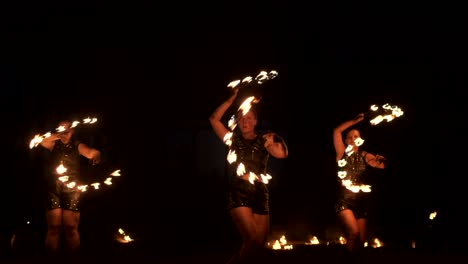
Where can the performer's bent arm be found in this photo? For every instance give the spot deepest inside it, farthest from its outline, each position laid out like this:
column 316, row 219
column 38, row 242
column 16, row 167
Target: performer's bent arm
column 215, row 118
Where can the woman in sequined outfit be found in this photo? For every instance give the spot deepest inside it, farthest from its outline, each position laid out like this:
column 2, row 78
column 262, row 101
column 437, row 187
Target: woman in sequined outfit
column 352, row 166
column 63, row 200
column 248, row 199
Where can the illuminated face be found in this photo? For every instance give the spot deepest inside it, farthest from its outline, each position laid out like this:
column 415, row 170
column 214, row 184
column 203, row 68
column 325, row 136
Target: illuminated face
column 67, row 133
column 247, row 122
column 351, row 136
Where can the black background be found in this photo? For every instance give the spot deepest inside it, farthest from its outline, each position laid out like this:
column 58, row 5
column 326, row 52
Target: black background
column 153, row 73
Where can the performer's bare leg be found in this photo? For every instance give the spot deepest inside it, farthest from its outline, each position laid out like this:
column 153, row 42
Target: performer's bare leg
column 52, row 239
column 355, row 232
column 254, row 231
column 71, row 220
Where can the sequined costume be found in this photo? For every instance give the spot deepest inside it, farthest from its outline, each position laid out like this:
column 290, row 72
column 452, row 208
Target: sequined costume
column 59, row 195
column 254, row 156
column 355, row 169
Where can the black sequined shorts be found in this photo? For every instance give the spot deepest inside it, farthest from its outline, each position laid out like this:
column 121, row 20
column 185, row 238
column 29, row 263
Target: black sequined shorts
column 359, row 208
column 244, row 193
column 63, row 197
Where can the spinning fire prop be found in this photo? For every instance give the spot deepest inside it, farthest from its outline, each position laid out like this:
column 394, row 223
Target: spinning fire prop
column 232, row 123
column 378, row 114
column 61, row 169
column 386, row 112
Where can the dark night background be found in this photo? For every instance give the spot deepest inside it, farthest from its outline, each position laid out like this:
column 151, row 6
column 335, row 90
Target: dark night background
column 152, row 74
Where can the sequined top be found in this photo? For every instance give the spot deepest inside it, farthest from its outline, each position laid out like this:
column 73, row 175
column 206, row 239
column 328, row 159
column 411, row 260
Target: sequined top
column 252, row 153
column 355, row 167
column 67, row 155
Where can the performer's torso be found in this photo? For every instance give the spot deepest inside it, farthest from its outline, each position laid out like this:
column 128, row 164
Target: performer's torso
column 68, row 156
column 251, row 153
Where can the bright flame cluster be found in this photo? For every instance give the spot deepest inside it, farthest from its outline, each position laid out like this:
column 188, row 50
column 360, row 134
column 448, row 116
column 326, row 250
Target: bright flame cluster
column 313, row 241
column 232, row 123
column 342, row 173
column 261, row 78
column 38, row 138
column 387, row 112
column 122, row 237
column 282, row 243
column 375, row 243
column 64, row 178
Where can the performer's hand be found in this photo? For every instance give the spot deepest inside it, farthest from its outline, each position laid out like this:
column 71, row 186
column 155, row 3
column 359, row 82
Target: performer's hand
column 55, row 136
column 380, row 158
column 96, row 159
column 234, row 91
column 359, row 117
column 271, row 138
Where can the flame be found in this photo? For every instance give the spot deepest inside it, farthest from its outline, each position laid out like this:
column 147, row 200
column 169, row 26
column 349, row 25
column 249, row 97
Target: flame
column 276, row 245
column 108, row 181
column 355, row 188
column 116, row 173
column 63, row 178
column 260, row 78
column 240, row 169
column 281, row 244
column 60, row 129
column 233, row 84
column 342, row 240
column 232, row 156
column 342, row 162
column 232, row 122
column 288, row 247
column 61, row 169
column 313, row 241
column 389, row 113
column 89, row 120
column 349, row 150
column 376, row 243
column 283, row 240
column 265, row 178
column 122, row 237
column 247, row 104
column 247, row 79
column 252, row 177
column 83, row 188
column 38, row 138
column 358, row 141
column 227, row 138
column 342, row 174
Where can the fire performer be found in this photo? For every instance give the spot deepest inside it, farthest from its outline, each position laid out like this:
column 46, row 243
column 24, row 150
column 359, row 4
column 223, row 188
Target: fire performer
column 350, row 207
column 62, row 200
column 247, row 197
